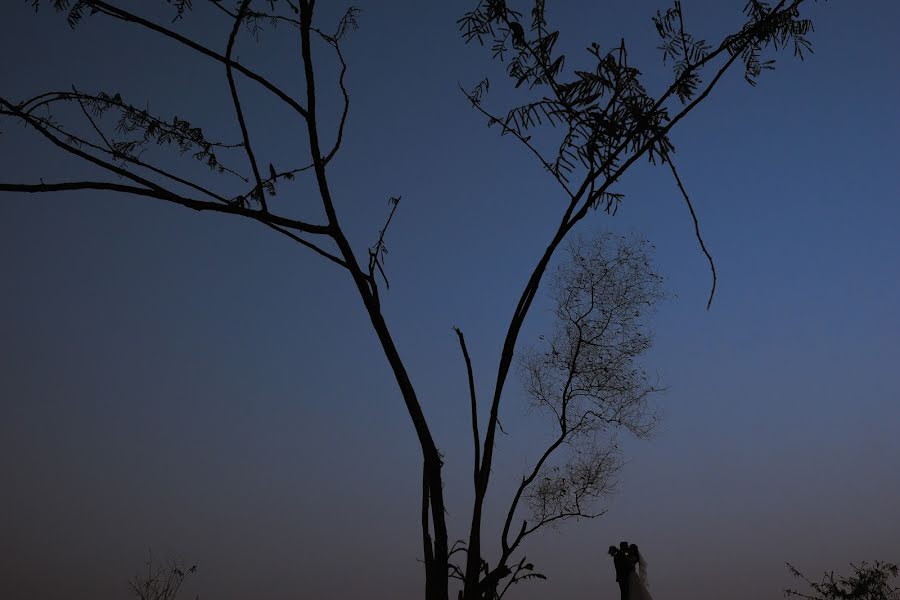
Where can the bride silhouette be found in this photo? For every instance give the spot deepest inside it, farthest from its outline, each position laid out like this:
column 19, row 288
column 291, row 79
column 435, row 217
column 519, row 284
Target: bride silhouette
column 638, row 588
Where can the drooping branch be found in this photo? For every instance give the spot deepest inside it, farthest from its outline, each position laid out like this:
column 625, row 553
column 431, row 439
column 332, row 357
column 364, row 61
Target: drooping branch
column 687, row 201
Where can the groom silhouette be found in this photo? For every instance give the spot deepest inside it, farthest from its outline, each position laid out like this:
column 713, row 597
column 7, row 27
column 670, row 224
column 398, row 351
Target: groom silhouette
column 624, row 565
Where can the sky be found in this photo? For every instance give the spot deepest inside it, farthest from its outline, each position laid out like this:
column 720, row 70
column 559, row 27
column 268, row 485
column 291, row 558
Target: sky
column 194, row 385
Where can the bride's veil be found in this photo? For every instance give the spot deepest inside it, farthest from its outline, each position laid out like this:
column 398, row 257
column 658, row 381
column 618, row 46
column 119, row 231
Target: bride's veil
column 642, row 563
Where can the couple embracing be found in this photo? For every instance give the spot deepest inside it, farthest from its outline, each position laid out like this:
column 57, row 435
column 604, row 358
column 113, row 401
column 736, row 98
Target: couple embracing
column 632, row 582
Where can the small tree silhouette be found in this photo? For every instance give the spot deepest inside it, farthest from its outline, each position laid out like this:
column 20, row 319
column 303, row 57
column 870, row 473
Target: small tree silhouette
column 161, row 581
column 868, row 582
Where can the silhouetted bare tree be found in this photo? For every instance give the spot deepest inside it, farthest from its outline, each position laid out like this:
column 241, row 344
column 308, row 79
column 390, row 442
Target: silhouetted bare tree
column 868, row 582
column 585, row 377
column 606, row 119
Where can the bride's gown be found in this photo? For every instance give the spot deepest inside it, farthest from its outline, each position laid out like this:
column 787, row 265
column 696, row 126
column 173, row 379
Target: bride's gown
column 638, row 587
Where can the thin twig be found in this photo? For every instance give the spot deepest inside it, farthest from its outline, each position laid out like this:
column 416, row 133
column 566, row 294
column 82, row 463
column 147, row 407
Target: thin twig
column 306, row 243
column 524, row 140
column 91, row 120
column 377, row 251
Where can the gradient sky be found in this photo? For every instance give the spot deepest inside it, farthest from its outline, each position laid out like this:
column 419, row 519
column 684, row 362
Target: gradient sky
column 194, row 384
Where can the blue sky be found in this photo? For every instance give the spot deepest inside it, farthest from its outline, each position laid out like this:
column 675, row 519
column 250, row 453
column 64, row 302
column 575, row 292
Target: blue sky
column 192, row 383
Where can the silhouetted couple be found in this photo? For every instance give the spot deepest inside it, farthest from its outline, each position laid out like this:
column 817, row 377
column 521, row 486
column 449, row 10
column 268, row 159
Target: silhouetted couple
column 632, row 582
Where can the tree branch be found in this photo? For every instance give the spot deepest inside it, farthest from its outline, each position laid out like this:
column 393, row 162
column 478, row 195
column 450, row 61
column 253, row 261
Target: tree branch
column 111, row 151
column 260, row 192
column 474, row 401
column 334, row 42
column 124, row 15
column 306, row 243
column 155, row 190
column 432, row 459
column 523, row 139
